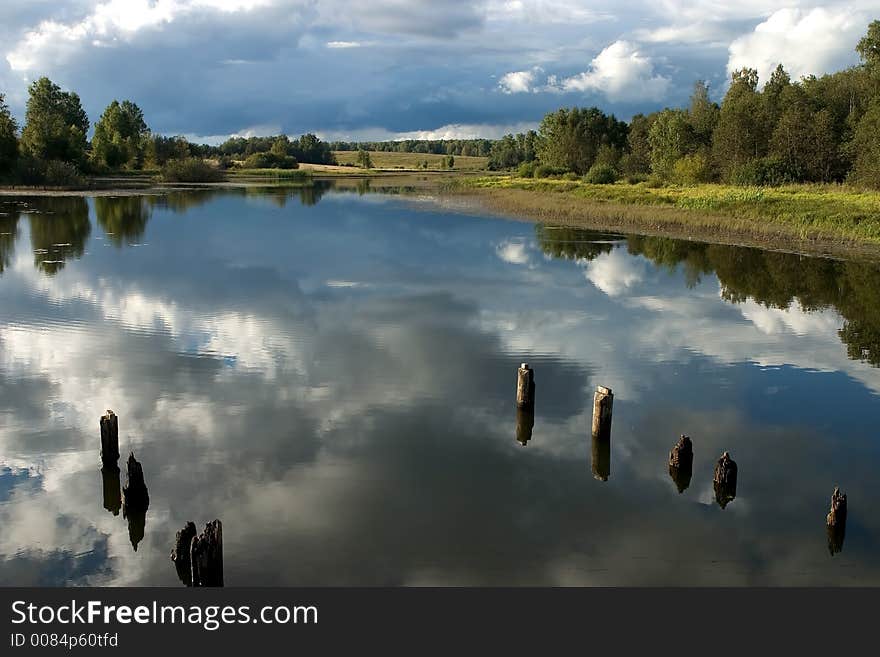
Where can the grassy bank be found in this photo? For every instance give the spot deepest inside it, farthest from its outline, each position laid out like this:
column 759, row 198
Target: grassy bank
column 797, row 214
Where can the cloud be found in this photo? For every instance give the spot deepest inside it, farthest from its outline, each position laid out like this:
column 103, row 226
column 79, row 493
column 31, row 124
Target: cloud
column 620, row 72
column 805, row 42
column 452, row 131
column 339, row 45
column 615, row 272
column 517, row 82
column 513, row 252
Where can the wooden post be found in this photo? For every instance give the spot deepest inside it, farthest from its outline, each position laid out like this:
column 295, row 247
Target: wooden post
column 136, row 500
column 681, row 463
column 525, row 422
column 603, row 401
column 109, row 437
column 835, row 521
column 112, row 491
column 525, row 387
column 601, row 458
column 725, row 480
column 180, row 555
column 206, row 556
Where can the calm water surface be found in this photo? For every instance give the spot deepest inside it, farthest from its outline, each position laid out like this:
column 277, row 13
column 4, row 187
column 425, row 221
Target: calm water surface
column 333, row 376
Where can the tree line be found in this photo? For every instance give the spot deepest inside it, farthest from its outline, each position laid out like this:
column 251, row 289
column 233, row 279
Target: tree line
column 465, row 147
column 817, row 129
column 53, row 148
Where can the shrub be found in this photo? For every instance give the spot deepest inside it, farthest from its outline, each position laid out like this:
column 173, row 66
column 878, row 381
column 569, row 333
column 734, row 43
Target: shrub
column 571, row 175
column 545, row 171
column 601, row 174
column 52, row 173
column 636, row 178
column 691, row 169
column 270, row 160
column 192, row 170
column 765, row 171
column 527, row 170
column 654, row 182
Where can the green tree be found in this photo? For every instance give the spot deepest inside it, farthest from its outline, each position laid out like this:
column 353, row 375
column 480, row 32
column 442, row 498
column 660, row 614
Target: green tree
column 363, row 159
column 703, row 114
column 55, row 124
column 120, row 136
column 570, row 138
column 778, row 84
column 671, row 138
column 8, row 139
column 637, row 159
column 866, row 145
column 869, row 46
column 742, row 131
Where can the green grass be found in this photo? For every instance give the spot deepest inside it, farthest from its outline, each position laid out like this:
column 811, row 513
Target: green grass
column 388, row 160
column 801, row 212
column 287, row 174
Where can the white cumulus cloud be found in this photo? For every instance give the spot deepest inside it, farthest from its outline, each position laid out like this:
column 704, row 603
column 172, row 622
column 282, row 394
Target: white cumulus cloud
column 805, row 42
column 622, row 73
column 517, row 82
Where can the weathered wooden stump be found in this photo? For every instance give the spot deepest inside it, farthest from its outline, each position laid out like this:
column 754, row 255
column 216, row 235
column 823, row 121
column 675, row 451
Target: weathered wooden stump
column 112, row 489
column 109, row 437
column 725, row 480
column 603, row 401
column 835, row 522
column 206, row 556
column 525, row 422
column 601, row 458
column 180, row 555
column 525, row 387
column 681, row 463
column 136, row 500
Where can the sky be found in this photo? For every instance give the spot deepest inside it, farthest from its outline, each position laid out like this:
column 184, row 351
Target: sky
column 392, row 69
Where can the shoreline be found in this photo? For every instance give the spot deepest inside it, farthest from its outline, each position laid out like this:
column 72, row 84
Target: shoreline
column 562, row 205
column 612, row 208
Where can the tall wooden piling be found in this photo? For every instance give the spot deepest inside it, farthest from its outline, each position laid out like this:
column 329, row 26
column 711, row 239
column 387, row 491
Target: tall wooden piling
column 525, row 422
column 835, row 521
column 601, row 452
column 681, row 463
column 525, row 387
column 206, row 556
column 725, row 480
column 603, row 401
column 109, row 437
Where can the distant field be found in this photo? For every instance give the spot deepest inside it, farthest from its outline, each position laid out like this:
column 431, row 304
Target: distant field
column 384, row 160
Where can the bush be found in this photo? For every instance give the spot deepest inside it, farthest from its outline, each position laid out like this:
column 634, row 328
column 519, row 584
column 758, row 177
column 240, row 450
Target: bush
column 52, row 173
column 269, row 160
column 571, row 175
column 545, row 171
column 654, row 182
column 636, row 178
column 601, row 174
column 691, row 169
column 765, row 171
column 192, row 170
column 527, row 170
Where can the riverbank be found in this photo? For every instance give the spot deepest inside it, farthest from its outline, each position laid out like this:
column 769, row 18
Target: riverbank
column 811, row 218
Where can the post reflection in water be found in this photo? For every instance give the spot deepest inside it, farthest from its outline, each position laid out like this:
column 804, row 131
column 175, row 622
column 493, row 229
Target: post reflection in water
column 112, row 488
column 340, row 374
